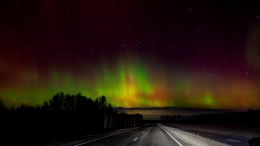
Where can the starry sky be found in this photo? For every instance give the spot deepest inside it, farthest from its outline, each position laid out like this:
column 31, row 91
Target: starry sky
column 138, row 53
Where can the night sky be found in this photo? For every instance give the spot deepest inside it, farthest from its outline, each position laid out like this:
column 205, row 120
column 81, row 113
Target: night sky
column 198, row 54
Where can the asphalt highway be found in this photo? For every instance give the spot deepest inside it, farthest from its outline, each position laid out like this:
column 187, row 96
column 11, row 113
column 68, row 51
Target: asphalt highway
column 151, row 135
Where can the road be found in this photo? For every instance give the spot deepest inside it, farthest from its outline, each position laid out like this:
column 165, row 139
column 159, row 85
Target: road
column 155, row 136
column 151, row 135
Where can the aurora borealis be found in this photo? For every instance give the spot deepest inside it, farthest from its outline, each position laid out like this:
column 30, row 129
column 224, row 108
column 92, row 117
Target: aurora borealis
column 199, row 54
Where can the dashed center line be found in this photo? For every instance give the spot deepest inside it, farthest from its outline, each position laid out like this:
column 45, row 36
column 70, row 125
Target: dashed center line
column 136, row 138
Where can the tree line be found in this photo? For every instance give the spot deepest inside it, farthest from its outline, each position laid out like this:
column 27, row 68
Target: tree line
column 249, row 117
column 62, row 117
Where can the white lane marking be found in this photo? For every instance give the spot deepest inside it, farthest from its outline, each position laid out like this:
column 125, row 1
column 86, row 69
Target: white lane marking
column 103, row 137
column 233, row 140
column 170, row 135
column 134, row 140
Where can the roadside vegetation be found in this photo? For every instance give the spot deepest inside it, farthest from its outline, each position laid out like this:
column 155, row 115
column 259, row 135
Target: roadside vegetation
column 64, row 116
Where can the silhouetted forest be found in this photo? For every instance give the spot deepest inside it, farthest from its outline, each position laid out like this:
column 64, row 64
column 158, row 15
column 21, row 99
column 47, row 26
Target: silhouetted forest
column 64, row 116
column 248, row 117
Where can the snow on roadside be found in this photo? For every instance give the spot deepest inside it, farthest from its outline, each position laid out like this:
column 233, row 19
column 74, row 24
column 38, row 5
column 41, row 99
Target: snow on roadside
column 193, row 139
column 241, row 130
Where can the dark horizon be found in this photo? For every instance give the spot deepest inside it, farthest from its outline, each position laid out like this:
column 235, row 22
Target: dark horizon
column 154, row 113
column 148, row 113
